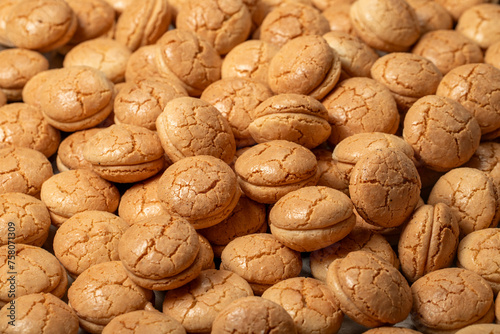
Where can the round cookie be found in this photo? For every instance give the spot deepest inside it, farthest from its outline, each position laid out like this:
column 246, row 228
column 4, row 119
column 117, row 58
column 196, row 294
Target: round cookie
column 268, row 171
column 261, row 260
column 196, row 304
column 385, row 187
column 431, row 15
column 70, row 151
column 480, row 328
column 492, row 55
column 359, row 105
column 23, row 220
column 189, row 127
column 119, row 5
column 297, row 118
column 487, row 159
column 253, row 315
column 68, row 193
column 23, row 170
column 5, row 7
column 141, row 64
column 88, row 238
column 330, row 175
column 391, row 330
column 125, row 153
column 311, row 218
column 457, row 7
column 264, row 7
column 338, row 17
column 369, row 290
column 442, row 132
column 103, row 292
column 39, row 313
column 311, row 303
column 95, row 18
column 144, row 321
column 480, row 24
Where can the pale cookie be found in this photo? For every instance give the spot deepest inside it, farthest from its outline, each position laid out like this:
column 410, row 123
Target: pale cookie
column 442, row 132
column 268, row 171
column 196, row 304
column 360, row 105
column 202, row 189
column 311, row 304
column 39, row 313
column 95, row 18
column 473, row 196
column 224, row 24
column 261, row 260
column 103, row 292
column 487, row 159
column 253, row 315
column 431, row 15
column 23, row 170
column 23, row 125
column 449, row 299
column 428, row 241
column 492, row 55
column 369, row 290
column 480, row 24
column 70, row 151
column 36, row 269
column 68, row 193
column 297, row 118
column 311, row 218
column 144, row 322
column 23, row 220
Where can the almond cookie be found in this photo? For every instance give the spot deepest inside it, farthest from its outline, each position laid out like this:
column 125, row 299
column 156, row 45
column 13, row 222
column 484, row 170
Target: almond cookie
column 322, row 5
column 473, row 196
column 142, row 22
column 492, row 55
column 189, row 59
column 480, row 328
column 487, row 159
column 201, row 189
column 268, row 171
column 311, row 218
column 359, row 105
column 356, row 240
column 264, row 7
column 51, row 23
column 119, row 5
column 236, row 99
column 88, row 238
column 449, row 299
column 103, row 292
column 338, row 17
column 297, row 118
column 290, row 21
column 189, row 127
column 386, row 25
column 408, row 76
column 142, row 64
column 223, row 24
column 391, row 330
column 457, row 7
column 311, row 303
column 448, row 49
column 36, row 269
column 480, row 24
column 253, row 315
column 3, row 99
column 17, row 67
column 428, row 241
column 196, row 304
column 23, row 125
column 442, row 132
column 478, row 252
column 39, row 313
column 431, row 15
column 70, row 151
column 261, row 260
column 23, row 220
column 305, row 65
column 95, row 18
column 125, row 153
column 68, row 193
column 5, row 7
column 369, row 290
column 330, row 174
column 249, row 59
column 385, row 187
column 23, row 170
column 144, row 321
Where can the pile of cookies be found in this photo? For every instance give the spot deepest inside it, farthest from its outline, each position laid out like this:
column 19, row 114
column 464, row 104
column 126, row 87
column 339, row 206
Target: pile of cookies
column 249, row 166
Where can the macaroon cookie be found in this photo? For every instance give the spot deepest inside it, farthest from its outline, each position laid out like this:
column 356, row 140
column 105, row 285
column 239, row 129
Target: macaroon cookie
column 5, row 7
column 480, row 328
column 36, row 269
column 70, row 151
column 491, row 55
column 338, row 17
column 261, row 260
column 391, row 330
column 253, row 315
column 428, row 241
column 480, row 24
column 142, row 64
column 311, row 218
column 449, row 299
column 23, row 220
column 74, row 191
column 103, row 292
column 144, row 321
column 94, row 18
column 369, row 289
column 431, row 15
column 39, row 311
column 297, row 118
column 196, row 304
column 202, row 189
column 487, row 159
column 189, row 127
column 330, row 175
column 457, row 7
column 311, row 304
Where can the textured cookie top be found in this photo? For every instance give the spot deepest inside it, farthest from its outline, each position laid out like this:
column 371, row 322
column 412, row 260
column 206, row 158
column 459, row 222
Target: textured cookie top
column 480, row 24
column 70, row 151
column 95, row 18
column 144, row 321
column 391, row 330
column 159, row 247
column 492, row 55
column 142, row 64
column 487, row 159
column 431, row 15
column 290, row 103
column 19, row 65
column 457, row 7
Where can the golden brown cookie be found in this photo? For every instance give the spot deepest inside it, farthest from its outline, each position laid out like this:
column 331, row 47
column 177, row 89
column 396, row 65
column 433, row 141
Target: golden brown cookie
column 457, row 7
column 144, row 321
column 391, row 330
column 264, row 7
column 480, row 24
column 431, row 15
column 142, row 64
column 330, row 174
column 119, row 5
column 5, row 7
column 338, row 17
column 94, row 17
column 487, row 159
column 492, row 55
column 70, row 151
column 480, row 328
